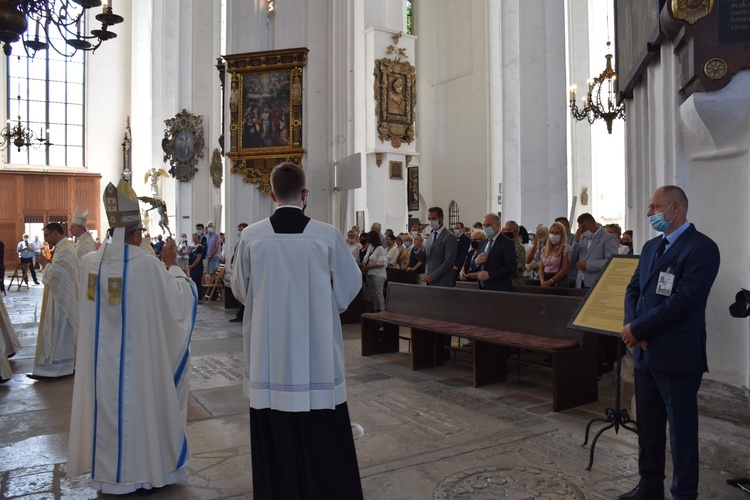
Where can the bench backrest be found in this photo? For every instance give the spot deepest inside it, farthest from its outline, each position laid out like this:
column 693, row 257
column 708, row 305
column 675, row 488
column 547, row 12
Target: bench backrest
column 568, row 292
column 538, row 314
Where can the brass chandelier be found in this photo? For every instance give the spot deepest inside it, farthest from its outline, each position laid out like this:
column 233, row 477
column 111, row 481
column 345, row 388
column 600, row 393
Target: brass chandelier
column 593, row 107
column 20, row 136
column 45, row 16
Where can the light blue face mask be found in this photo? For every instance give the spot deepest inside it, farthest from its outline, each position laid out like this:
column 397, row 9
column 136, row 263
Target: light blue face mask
column 407, row 245
column 239, row 234
column 658, row 223
column 210, row 230
column 489, row 231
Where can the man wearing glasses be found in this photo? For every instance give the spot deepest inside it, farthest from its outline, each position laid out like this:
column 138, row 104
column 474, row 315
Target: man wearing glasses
column 58, row 323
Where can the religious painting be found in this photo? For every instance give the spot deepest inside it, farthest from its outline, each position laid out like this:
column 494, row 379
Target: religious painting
column 395, row 100
column 265, row 107
column 397, row 168
column 183, row 144
column 412, row 188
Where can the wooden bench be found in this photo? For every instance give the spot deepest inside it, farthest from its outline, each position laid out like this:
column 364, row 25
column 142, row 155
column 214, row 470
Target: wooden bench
column 495, row 322
column 544, row 290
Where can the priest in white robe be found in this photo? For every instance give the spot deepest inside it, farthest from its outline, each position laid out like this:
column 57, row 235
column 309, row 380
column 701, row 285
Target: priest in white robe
column 295, row 276
column 58, row 322
column 129, row 413
column 84, row 241
column 9, row 344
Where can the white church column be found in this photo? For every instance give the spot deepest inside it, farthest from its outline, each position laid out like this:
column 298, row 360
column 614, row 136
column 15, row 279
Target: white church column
column 293, row 24
column 171, row 40
column 534, row 173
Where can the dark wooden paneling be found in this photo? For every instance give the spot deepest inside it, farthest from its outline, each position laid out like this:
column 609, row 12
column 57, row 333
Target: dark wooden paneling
column 47, row 195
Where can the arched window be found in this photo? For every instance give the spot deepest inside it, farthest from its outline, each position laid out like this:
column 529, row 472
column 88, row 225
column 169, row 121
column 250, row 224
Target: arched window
column 453, row 216
column 51, row 90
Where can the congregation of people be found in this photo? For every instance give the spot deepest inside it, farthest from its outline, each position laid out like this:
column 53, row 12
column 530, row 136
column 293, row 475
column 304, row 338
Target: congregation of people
column 100, row 301
column 542, row 259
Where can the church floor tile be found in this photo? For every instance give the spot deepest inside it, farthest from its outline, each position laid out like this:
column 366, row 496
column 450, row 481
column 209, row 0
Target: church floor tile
column 424, row 434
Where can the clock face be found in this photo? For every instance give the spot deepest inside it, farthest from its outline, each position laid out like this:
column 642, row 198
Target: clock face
column 715, row 68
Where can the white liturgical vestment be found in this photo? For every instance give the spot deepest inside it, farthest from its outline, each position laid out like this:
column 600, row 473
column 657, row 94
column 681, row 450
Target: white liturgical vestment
column 129, row 412
column 9, row 343
column 58, row 321
column 85, row 244
column 294, row 286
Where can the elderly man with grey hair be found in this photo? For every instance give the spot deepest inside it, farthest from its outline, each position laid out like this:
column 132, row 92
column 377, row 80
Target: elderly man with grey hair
column 377, row 227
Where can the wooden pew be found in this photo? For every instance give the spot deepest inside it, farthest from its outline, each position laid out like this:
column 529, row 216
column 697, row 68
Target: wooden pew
column 495, row 322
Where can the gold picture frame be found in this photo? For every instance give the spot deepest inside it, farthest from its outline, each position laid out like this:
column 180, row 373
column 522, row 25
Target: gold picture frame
column 265, row 112
column 395, row 99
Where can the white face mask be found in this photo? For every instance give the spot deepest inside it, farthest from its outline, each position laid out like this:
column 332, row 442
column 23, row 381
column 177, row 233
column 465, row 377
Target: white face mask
column 434, row 225
column 554, row 238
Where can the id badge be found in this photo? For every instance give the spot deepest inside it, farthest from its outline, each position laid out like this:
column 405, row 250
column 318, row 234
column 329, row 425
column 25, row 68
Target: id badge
column 664, row 285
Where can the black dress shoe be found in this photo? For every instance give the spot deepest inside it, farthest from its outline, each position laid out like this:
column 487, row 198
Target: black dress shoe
column 643, row 492
column 3, row 380
column 235, row 320
column 36, row 282
column 605, row 367
column 38, row 377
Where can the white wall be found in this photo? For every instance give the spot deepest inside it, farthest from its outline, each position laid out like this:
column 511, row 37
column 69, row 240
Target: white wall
column 701, row 145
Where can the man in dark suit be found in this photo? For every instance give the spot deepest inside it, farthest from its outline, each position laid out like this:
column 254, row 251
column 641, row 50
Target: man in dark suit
column 665, row 323
column 440, row 248
column 463, row 243
column 494, row 262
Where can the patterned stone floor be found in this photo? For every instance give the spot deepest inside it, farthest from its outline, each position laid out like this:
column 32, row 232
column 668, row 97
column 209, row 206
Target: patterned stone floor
column 419, row 435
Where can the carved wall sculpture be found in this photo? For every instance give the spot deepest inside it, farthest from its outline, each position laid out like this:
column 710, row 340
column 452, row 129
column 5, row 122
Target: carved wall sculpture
column 217, row 168
column 183, row 144
column 395, row 99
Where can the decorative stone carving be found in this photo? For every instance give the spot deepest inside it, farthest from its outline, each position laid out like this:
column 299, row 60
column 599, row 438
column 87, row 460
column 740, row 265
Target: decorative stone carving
column 258, row 170
column 395, row 100
column 715, row 68
column 691, row 11
column 183, row 144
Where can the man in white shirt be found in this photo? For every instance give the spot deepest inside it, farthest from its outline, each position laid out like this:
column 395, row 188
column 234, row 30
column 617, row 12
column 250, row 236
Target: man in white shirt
column 295, row 276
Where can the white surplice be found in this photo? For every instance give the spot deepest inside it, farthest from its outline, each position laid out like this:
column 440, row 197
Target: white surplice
column 128, row 422
column 294, row 353
column 9, row 343
column 85, row 244
column 58, row 321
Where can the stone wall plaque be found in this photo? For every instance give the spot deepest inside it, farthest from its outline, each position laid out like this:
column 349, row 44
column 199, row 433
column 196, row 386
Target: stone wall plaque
column 395, row 100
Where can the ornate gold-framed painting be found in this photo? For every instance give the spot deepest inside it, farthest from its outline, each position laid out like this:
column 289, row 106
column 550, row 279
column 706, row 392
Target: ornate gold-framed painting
column 265, row 110
column 395, row 100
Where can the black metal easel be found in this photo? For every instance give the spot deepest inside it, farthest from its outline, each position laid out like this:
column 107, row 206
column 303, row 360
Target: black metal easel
column 617, row 416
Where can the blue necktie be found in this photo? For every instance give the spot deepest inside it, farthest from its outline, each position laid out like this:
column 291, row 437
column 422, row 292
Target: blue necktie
column 662, row 246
